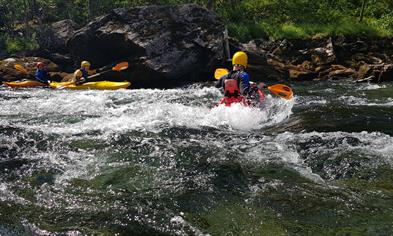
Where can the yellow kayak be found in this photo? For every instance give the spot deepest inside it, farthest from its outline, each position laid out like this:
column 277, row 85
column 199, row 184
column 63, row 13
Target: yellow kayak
column 99, row 85
column 24, row 84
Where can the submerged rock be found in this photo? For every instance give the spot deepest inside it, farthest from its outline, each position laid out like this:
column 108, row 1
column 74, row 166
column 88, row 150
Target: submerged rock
column 165, row 45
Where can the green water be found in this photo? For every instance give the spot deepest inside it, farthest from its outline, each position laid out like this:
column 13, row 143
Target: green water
column 165, row 162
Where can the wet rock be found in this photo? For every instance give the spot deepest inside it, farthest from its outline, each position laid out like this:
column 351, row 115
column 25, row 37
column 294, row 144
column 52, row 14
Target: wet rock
column 165, row 45
column 323, row 55
column 300, row 73
column 386, row 73
column 332, row 58
column 64, row 62
column 364, row 71
column 259, row 68
column 341, row 72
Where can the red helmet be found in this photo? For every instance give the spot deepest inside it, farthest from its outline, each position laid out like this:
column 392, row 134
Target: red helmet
column 40, row 64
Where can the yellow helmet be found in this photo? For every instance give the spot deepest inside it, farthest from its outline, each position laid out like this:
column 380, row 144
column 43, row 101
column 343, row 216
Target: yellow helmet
column 85, row 64
column 240, row 58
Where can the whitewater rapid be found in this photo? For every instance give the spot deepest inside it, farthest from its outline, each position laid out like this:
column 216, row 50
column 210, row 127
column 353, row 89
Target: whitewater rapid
column 162, row 161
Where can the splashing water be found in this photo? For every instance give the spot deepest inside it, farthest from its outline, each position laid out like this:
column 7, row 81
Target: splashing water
column 172, row 162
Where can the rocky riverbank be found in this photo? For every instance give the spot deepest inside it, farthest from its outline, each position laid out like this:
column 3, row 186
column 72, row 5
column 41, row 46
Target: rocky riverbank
column 168, row 46
column 333, row 58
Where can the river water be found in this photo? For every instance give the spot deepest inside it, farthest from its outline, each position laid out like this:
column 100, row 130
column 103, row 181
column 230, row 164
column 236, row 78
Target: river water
column 169, row 162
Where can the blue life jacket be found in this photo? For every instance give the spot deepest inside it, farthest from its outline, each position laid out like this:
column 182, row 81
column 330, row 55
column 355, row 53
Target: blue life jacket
column 85, row 73
column 41, row 76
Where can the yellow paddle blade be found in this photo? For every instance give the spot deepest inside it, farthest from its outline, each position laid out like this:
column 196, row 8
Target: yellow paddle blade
column 21, row 68
column 120, row 66
column 220, row 72
column 281, row 90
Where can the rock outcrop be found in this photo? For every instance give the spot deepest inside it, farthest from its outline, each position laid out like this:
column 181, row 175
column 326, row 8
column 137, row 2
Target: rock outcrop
column 54, row 37
column 359, row 59
column 165, row 45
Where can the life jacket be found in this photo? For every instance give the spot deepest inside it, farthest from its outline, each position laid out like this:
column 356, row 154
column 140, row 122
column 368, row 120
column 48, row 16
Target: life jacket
column 231, row 88
column 256, row 97
column 40, row 74
column 85, row 73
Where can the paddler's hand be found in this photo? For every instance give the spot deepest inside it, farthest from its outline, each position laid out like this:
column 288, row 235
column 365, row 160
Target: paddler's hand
column 262, row 86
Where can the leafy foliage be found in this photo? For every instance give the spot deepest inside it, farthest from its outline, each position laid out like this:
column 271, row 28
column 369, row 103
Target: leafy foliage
column 246, row 19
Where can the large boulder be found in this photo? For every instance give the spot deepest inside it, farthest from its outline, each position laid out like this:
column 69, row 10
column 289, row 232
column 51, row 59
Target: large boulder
column 53, row 37
column 165, row 45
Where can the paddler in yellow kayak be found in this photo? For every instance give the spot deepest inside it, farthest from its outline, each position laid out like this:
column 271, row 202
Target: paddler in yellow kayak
column 41, row 75
column 81, row 74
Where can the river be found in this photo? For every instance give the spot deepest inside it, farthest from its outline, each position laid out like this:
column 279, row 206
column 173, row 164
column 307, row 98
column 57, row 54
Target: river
column 169, row 162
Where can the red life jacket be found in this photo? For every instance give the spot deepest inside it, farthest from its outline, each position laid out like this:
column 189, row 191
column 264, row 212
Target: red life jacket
column 231, row 88
column 227, row 101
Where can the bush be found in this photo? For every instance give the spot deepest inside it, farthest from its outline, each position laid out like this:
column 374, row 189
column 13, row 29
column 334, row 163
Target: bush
column 305, row 18
column 245, row 32
column 18, row 44
column 386, row 22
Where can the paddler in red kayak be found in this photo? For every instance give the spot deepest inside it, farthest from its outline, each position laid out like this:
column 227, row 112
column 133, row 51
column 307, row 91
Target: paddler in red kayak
column 81, row 74
column 236, row 83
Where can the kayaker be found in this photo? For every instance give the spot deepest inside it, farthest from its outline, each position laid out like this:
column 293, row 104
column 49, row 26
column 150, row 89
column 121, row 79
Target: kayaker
column 41, row 74
column 237, row 81
column 81, row 74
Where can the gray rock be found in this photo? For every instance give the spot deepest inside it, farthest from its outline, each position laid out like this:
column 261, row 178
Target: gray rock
column 165, row 45
column 54, row 37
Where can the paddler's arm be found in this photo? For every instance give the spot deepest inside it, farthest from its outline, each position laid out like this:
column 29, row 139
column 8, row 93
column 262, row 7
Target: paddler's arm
column 92, row 72
column 244, row 83
column 220, row 82
column 77, row 78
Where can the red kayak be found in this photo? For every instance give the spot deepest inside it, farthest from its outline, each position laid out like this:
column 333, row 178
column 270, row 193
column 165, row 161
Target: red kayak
column 256, row 98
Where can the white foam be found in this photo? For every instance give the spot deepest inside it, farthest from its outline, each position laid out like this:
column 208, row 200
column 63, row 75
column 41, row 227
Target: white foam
column 146, row 109
column 371, row 87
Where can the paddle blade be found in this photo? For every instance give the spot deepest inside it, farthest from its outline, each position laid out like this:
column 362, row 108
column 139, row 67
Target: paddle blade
column 220, row 72
column 281, row 90
column 21, row 68
column 120, row 66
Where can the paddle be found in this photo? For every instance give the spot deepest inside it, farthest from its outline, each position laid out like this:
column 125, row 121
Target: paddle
column 21, row 68
column 118, row 67
column 280, row 90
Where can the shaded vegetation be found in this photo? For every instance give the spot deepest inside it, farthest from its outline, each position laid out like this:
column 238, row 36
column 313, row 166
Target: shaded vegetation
column 246, row 19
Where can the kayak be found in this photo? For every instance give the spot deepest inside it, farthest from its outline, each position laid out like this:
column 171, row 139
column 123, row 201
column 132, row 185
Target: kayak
column 24, row 84
column 98, row 85
column 256, row 97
